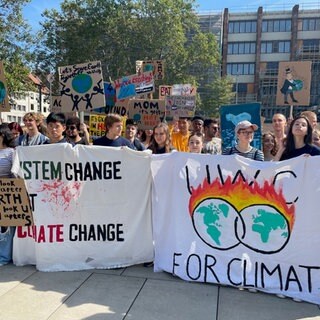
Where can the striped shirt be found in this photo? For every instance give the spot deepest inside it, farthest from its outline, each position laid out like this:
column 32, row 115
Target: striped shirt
column 253, row 153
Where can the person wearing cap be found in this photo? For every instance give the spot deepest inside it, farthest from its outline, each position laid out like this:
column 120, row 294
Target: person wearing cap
column 244, row 133
column 197, row 124
column 180, row 138
column 130, row 134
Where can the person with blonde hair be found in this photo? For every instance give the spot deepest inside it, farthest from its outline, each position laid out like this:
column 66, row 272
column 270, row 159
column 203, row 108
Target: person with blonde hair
column 113, row 125
column 311, row 116
column 316, row 137
column 32, row 137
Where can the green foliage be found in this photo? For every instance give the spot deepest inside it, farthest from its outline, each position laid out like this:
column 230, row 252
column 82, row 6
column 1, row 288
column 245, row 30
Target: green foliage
column 15, row 41
column 119, row 32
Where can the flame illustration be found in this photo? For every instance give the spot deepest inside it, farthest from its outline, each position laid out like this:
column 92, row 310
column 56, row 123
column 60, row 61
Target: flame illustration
column 241, row 195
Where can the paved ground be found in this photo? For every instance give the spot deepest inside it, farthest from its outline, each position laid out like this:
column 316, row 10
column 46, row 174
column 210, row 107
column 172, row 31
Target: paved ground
column 134, row 293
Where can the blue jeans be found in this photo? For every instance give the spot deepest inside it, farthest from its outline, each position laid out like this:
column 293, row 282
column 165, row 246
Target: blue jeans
column 6, row 243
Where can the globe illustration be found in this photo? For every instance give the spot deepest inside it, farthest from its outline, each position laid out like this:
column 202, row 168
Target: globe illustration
column 2, row 92
column 266, row 231
column 82, row 83
column 214, row 221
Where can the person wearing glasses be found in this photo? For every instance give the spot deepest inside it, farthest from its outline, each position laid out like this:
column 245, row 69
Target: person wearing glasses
column 244, row 133
column 32, row 137
column 73, row 129
column 211, row 140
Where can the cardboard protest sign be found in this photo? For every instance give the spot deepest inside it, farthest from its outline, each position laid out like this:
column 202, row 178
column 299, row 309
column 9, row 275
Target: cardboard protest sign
column 120, row 107
column 183, row 90
column 130, row 86
column 230, row 115
column 81, row 87
column 4, row 102
column 56, row 104
column 156, row 66
column 180, row 106
column 15, row 209
column 164, row 91
column 294, row 79
column 96, row 125
column 147, row 113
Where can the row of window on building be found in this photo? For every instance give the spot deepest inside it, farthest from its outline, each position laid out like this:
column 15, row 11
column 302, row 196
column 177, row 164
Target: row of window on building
column 266, row 47
column 273, row 25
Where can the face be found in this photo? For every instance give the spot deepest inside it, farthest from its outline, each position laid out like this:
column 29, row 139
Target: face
column 197, row 125
column 148, row 132
column 316, row 138
column 245, row 135
column 195, row 144
column 131, row 131
column 72, row 131
column 300, row 128
column 15, row 133
column 115, row 129
column 268, row 142
column 55, row 131
column 160, row 136
column 183, row 125
column 213, row 130
column 30, row 124
column 279, row 122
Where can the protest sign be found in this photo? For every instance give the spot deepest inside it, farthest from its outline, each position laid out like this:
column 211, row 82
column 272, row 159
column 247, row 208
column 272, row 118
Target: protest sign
column 230, row 115
column 4, row 101
column 81, row 87
column 15, row 209
column 156, row 66
column 239, row 222
column 147, row 113
column 130, row 86
column 96, row 125
column 92, row 207
column 294, row 80
column 183, row 90
column 180, row 106
column 164, row 91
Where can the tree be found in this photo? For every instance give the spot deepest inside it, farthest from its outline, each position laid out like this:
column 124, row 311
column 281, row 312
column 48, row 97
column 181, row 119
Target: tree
column 120, row 32
column 15, row 39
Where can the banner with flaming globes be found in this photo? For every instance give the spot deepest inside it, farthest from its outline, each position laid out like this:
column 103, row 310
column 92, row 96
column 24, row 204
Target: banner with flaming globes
column 234, row 221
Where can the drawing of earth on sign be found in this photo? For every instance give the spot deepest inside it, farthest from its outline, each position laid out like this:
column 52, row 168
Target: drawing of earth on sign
column 82, row 83
column 255, row 216
column 2, row 92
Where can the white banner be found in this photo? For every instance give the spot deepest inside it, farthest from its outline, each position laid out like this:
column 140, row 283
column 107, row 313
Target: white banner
column 233, row 221
column 91, row 204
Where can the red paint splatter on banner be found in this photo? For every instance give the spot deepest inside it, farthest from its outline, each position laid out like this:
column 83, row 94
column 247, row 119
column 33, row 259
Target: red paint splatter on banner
column 59, row 193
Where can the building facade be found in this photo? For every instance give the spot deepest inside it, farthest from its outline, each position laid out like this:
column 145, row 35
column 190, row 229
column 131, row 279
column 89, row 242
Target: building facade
column 253, row 44
column 29, row 101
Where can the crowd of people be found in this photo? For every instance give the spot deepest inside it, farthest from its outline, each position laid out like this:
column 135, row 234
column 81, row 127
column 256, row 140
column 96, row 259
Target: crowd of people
column 196, row 135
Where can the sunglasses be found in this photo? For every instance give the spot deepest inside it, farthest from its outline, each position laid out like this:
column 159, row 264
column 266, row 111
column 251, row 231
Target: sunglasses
column 71, row 127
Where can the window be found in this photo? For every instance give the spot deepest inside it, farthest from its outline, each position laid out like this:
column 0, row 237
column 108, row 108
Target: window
column 32, row 106
column 283, row 25
column 275, row 47
column 242, row 26
column 242, row 48
column 311, row 24
column 240, row 68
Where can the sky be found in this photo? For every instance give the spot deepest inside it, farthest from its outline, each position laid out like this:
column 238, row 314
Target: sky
column 32, row 11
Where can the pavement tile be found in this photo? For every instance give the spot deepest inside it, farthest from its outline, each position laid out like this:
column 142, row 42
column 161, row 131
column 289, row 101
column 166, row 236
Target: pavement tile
column 115, row 272
column 100, row 297
column 243, row 305
column 39, row 295
column 171, row 300
column 11, row 276
column 147, row 272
